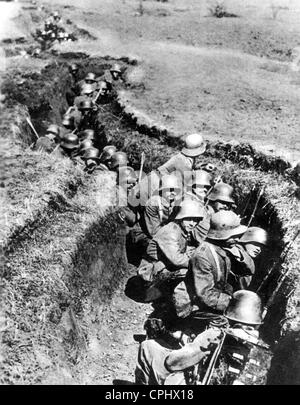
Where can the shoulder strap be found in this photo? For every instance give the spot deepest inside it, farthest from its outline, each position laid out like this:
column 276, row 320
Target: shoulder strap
column 216, row 259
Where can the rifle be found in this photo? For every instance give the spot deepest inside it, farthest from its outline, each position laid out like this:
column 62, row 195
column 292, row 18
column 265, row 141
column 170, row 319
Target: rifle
column 256, row 204
column 248, row 201
column 142, row 165
column 284, row 253
column 216, row 181
column 32, row 127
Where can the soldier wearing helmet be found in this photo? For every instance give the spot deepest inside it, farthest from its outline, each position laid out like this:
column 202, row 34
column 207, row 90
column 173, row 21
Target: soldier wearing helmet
column 105, row 157
column 168, row 253
column 74, row 87
column 116, row 72
column 162, row 208
column 102, row 92
column 69, row 145
column 91, row 157
column 163, row 360
column 68, row 125
column 254, row 239
column 221, row 198
column 118, row 159
column 250, row 245
column 211, row 264
column 185, row 161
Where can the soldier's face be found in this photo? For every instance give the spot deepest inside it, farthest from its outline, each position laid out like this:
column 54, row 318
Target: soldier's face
column 200, row 191
column 221, row 205
column 253, row 249
column 188, row 224
column 170, row 194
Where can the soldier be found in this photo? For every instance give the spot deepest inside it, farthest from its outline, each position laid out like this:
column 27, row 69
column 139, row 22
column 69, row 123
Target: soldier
column 118, row 159
column 105, row 158
column 91, row 159
column 168, row 254
column 87, row 134
column 116, row 72
column 162, row 208
column 74, row 89
column 198, row 184
column 102, row 93
column 207, row 278
column 86, row 93
column 126, row 177
column 253, row 241
column 89, row 119
column 220, row 198
column 68, row 125
column 185, row 161
column 68, row 146
column 90, row 78
column 165, row 361
column 54, row 130
column 84, row 145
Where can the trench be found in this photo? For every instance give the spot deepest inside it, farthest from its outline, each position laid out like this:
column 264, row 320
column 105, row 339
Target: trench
column 88, row 248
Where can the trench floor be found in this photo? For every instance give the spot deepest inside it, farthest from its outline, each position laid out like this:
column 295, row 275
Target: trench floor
column 113, row 352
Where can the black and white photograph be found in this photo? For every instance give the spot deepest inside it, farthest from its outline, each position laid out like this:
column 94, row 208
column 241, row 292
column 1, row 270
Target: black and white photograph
column 149, row 195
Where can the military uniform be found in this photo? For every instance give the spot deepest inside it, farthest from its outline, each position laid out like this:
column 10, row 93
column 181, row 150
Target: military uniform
column 178, row 162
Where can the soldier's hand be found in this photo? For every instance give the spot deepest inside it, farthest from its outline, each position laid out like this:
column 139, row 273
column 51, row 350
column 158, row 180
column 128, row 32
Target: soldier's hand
column 208, row 338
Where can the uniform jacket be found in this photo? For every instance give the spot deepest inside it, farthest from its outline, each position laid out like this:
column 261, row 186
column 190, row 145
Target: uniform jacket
column 178, row 162
column 170, row 245
column 206, row 283
column 158, row 212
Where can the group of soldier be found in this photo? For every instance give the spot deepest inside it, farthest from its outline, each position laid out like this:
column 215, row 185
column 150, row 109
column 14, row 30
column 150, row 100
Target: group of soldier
column 81, row 136
column 53, row 30
column 192, row 255
column 182, row 233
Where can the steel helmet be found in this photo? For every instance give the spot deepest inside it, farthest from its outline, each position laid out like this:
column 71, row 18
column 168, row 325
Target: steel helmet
column 86, row 105
column 221, row 192
column 107, row 152
column 170, row 181
column 86, row 144
column 53, row 129
column 87, row 134
column 70, row 141
column 200, row 178
column 224, row 225
column 126, row 174
column 87, row 89
column 68, row 120
column 254, row 234
column 91, row 153
column 91, row 77
column 190, row 208
column 118, row 159
column 194, row 145
column 245, row 307
column 116, row 68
